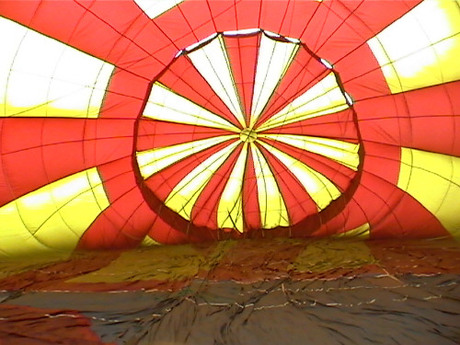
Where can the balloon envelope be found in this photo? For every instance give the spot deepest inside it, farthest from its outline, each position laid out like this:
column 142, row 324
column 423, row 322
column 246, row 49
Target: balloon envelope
column 136, row 122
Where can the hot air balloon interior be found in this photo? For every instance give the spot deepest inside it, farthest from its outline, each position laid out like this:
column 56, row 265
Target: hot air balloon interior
column 229, row 171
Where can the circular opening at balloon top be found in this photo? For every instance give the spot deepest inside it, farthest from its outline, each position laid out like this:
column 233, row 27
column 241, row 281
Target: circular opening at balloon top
column 248, row 135
column 246, row 130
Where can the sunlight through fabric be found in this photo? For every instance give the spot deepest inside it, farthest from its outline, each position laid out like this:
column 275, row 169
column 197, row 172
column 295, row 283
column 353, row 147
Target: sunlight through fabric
column 422, row 55
column 40, row 76
column 53, row 217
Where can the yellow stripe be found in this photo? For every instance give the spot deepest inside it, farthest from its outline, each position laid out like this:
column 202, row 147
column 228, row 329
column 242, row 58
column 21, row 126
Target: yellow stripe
column 185, row 194
column 342, row 152
column 165, row 105
column 433, row 179
column 53, row 217
column 323, row 98
column 422, row 48
column 40, row 76
column 360, row 232
column 152, row 161
column 230, row 210
column 273, row 210
column 321, row 190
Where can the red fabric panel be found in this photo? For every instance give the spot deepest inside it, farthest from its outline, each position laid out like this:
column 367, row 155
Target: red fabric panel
column 361, row 74
column 183, row 78
column 242, row 52
column 338, row 125
column 420, row 119
column 298, row 202
column 127, row 220
column 75, row 23
column 24, row 325
column 164, row 233
column 247, row 15
column 204, row 212
column 223, row 14
column 296, row 17
column 125, row 96
column 288, row 18
column 52, row 148
column 351, row 217
column 303, row 73
column 340, row 27
column 155, row 134
column 250, row 196
column 183, row 25
column 389, row 210
column 378, row 201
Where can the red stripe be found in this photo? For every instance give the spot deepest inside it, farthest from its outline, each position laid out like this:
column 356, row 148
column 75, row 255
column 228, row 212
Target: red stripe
column 298, row 202
column 242, row 52
column 155, row 134
column 52, row 148
column 125, row 96
column 420, row 119
column 338, row 126
column 127, row 220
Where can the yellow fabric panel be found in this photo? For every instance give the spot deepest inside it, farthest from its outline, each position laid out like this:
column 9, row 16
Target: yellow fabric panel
column 361, row 232
column 433, row 179
column 273, row 210
column 230, row 210
column 40, row 76
column 149, row 242
column 413, row 54
column 53, row 217
column 340, row 151
column 321, row 190
column 152, row 161
column 323, row 98
column 184, row 195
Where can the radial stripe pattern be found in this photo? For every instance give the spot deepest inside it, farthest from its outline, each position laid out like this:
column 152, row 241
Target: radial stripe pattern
column 206, row 120
column 275, row 57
